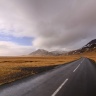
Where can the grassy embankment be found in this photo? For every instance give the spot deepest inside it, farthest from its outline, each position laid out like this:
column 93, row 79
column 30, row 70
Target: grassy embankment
column 14, row 68
column 91, row 55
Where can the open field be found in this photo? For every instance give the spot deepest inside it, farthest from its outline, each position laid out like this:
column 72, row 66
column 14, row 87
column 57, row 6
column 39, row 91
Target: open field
column 13, row 68
column 91, row 55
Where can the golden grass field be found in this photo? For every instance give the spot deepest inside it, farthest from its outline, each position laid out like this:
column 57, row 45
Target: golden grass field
column 91, row 55
column 13, row 68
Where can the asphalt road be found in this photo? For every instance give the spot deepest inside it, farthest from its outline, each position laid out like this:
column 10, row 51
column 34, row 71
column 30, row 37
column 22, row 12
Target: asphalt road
column 75, row 79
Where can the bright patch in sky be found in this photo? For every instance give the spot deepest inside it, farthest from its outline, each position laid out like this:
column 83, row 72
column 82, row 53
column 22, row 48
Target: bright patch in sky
column 19, row 40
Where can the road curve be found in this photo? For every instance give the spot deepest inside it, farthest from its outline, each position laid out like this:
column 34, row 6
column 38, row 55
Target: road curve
column 75, row 79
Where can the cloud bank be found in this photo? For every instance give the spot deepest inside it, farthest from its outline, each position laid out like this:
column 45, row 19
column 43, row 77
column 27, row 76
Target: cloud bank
column 54, row 25
column 12, row 49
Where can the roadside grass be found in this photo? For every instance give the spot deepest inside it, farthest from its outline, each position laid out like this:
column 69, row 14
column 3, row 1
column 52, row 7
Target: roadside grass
column 14, row 68
column 91, row 55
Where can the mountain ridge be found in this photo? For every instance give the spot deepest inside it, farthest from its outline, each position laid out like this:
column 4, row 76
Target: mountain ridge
column 42, row 52
column 89, row 47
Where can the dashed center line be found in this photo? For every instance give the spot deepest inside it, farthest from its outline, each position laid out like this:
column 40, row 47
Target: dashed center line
column 54, row 94
column 82, row 60
column 76, row 68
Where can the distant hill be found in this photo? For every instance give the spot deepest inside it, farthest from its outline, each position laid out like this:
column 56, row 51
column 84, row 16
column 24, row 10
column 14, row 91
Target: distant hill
column 42, row 52
column 90, row 47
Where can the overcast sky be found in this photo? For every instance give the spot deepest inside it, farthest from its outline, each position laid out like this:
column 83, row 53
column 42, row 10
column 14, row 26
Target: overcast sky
column 27, row 25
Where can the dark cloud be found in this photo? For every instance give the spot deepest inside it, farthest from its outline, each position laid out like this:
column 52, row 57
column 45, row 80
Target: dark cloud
column 55, row 24
column 65, row 23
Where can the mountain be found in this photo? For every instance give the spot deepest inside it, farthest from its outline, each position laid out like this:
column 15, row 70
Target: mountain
column 92, row 42
column 58, row 52
column 42, row 52
column 90, row 47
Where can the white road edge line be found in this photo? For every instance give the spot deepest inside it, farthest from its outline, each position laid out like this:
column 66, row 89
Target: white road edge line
column 82, row 60
column 54, row 94
column 76, row 68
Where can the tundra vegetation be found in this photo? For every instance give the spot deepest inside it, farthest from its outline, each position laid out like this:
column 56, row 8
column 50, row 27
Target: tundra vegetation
column 14, row 68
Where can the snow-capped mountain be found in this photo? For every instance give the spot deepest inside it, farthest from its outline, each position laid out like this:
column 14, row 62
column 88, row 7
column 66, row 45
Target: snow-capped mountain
column 42, row 52
column 90, row 47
